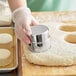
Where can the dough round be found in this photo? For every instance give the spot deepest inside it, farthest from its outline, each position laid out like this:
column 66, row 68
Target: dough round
column 5, row 57
column 5, row 38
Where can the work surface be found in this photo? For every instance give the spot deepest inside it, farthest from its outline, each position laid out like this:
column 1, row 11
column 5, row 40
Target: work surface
column 28, row 69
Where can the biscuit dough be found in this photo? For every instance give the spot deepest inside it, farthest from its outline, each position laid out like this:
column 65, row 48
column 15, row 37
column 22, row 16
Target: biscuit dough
column 61, row 53
column 5, row 57
column 5, row 38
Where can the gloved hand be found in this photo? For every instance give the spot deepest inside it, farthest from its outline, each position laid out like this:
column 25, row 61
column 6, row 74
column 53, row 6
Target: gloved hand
column 23, row 19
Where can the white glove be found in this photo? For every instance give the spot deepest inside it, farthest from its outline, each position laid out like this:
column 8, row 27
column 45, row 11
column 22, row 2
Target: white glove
column 23, row 20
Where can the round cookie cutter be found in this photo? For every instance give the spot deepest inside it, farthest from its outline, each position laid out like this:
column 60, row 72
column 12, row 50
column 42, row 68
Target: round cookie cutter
column 40, row 39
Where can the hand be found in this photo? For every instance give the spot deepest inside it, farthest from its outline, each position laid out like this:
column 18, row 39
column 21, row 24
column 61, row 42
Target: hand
column 23, row 20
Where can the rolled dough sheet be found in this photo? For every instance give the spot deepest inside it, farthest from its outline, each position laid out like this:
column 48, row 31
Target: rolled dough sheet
column 61, row 53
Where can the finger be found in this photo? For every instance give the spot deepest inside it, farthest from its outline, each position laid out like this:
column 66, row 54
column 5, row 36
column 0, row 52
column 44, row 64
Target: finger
column 25, row 36
column 22, row 36
column 25, row 31
column 29, row 36
column 27, row 28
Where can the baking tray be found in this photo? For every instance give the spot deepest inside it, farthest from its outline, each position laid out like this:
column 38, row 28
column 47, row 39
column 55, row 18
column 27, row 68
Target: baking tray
column 13, row 48
column 11, row 24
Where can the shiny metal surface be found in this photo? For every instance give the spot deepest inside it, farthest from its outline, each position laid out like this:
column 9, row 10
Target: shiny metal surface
column 40, row 38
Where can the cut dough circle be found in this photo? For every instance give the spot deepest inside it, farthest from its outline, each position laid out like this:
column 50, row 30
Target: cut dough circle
column 68, row 28
column 5, row 38
column 5, row 57
column 71, row 38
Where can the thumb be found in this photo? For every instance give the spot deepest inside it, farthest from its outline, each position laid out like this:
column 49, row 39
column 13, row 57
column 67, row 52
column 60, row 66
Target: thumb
column 34, row 21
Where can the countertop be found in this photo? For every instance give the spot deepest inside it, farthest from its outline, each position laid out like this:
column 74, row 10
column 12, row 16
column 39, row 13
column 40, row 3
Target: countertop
column 27, row 69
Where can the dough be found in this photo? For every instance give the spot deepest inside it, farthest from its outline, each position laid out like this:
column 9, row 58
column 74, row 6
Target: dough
column 71, row 38
column 5, row 14
column 5, row 38
column 5, row 57
column 5, row 20
column 61, row 53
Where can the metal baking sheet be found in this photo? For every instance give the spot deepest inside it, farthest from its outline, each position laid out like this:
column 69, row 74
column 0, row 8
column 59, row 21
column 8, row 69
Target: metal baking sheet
column 14, row 49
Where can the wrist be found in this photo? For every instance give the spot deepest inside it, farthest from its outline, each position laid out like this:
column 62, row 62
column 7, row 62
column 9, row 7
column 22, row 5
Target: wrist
column 21, row 11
